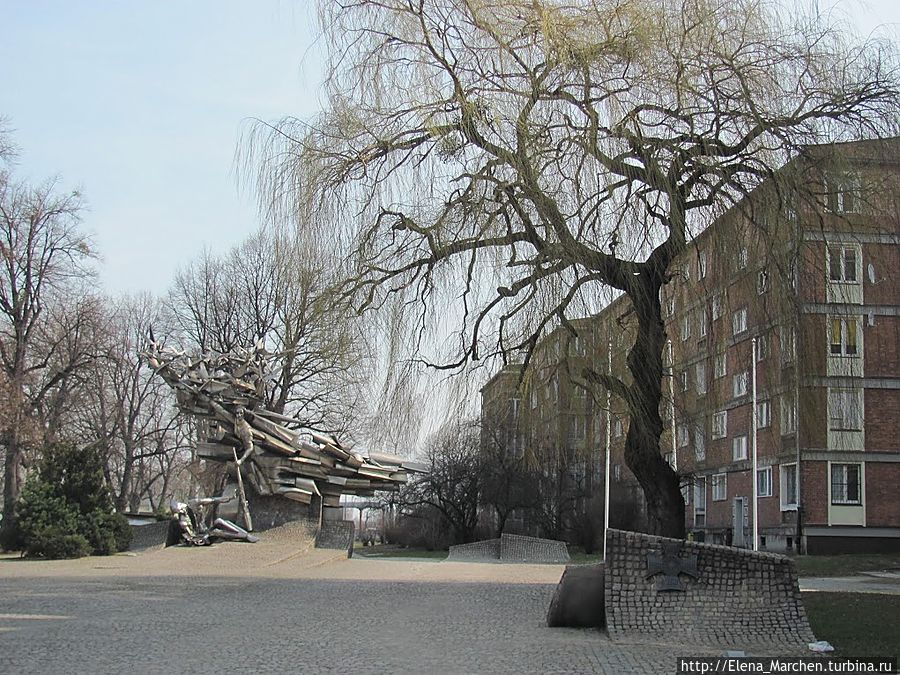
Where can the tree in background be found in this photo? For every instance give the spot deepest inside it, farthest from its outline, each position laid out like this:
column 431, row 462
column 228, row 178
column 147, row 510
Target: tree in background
column 65, row 508
column 47, row 321
column 275, row 287
column 493, row 164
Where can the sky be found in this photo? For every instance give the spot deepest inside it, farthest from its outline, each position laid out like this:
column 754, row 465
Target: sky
column 140, row 104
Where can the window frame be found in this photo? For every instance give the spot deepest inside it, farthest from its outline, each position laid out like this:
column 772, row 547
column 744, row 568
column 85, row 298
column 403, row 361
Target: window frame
column 847, row 500
column 764, row 471
column 717, row 432
column 720, row 487
column 739, row 448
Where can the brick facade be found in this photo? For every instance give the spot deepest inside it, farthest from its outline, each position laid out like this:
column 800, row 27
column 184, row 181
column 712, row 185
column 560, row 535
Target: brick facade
column 818, row 290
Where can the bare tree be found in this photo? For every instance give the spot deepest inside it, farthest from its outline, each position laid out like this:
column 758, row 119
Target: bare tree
column 519, row 154
column 509, row 484
column 45, row 318
column 276, row 287
column 453, row 484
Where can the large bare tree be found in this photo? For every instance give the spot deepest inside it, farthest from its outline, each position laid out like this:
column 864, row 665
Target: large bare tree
column 275, row 287
column 517, row 155
column 47, row 319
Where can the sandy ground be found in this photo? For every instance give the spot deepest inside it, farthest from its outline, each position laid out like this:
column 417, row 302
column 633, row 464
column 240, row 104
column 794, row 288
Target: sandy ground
column 282, row 553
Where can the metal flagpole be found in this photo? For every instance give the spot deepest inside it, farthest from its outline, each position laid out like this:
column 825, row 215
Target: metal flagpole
column 608, row 432
column 755, row 476
column 672, row 405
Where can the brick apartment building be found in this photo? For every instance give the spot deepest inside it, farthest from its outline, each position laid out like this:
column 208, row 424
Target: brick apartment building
column 813, row 281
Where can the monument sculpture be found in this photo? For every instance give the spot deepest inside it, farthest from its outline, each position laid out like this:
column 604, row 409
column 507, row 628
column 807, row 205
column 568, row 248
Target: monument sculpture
column 268, row 450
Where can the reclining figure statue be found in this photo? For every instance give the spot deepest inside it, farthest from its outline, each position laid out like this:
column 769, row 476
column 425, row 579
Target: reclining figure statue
column 187, row 529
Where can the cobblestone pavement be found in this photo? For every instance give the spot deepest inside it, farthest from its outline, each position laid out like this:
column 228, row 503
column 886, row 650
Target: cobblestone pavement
column 312, row 625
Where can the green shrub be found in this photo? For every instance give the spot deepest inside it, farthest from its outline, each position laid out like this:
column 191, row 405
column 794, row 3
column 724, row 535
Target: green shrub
column 65, row 509
column 55, row 543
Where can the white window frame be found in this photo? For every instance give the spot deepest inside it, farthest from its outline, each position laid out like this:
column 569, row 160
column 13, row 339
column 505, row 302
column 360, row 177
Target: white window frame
column 720, row 365
column 686, row 326
column 739, row 448
column 683, row 435
column 785, row 471
column 788, row 417
column 788, row 340
column 701, row 265
column 841, row 488
column 699, row 443
column 843, row 191
column 719, row 427
column 740, row 384
column 719, row 487
column 762, row 347
column 739, row 321
column 837, row 252
column 845, row 409
column 764, row 482
column 699, row 500
column 847, row 331
column 762, row 281
column 743, row 257
column 700, row 377
column 701, row 322
column 617, row 428
column 763, row 413
column 685, row 380
column 718, row 305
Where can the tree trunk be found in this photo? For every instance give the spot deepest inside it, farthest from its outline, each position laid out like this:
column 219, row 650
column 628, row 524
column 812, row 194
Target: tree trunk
column 13, row 479
column 665, row 505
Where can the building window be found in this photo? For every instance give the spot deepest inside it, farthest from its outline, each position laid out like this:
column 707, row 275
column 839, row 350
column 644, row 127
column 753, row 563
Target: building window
column 617, row 472
column 534, row 398
column 762, row 281
column 739, row 321
column 788, row 343
column 685, row 327
column 845, row 484
column 701, row 265
column 700, row 500
column 844, row 336
column 720, row 424
column 683, row 375
column 670, row 459
column 739, row 384
column 844, row 263
column 788, row 473
column 762, row 347
column 683, row 436
column 617, row 428
column 700, row 374
column 699, row 444
column 720, row 365
column 742, row 257
column 701, row 322
column 845, row 409
column 670, row 305
column 763, row 414
column 788, row 414
column 719, row 487
column 718, row 305
column 514, row 405
column 842, row 192
column 739, row 448
column 686, row 494
column 764, row 482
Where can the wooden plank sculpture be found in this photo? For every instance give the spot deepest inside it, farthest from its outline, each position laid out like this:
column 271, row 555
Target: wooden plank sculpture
column 228, row 392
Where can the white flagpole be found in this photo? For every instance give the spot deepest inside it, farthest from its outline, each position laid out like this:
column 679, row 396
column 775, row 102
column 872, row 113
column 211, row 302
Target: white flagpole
column 754, row 478
column 608, row 432
column 672, row 406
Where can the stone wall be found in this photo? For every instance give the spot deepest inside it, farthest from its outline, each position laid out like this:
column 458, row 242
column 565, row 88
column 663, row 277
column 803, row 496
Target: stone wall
column 489, row 549
column 336, row 534
column 512, row 548
column 739, row 599
column 518, row 548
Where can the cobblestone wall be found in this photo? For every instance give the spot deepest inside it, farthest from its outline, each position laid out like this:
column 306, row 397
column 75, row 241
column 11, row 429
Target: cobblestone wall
column 740, row 599
column 512, row 548
column 518, row 548
column 336, row 534
column 489, row 549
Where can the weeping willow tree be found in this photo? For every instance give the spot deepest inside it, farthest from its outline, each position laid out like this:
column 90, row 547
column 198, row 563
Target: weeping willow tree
column 491, row 165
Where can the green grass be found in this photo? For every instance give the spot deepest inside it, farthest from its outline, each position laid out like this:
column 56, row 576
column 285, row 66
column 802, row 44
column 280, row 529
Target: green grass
column 392, row 551
column 844, row 565
column 856, row 624
column 582, row 558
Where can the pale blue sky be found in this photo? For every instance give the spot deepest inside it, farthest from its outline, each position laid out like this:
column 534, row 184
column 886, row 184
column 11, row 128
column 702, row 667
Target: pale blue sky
column 140, row 104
